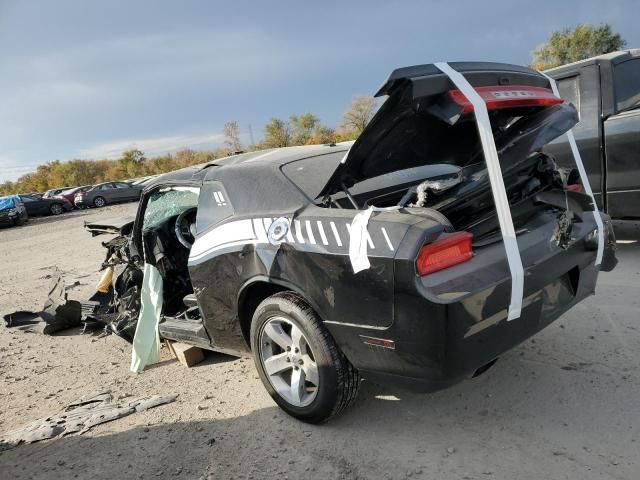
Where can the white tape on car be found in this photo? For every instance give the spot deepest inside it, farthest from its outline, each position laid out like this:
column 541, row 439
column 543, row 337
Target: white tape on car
column 360, row 238
column 583, row 177
column 497, row 186
column 358, row 241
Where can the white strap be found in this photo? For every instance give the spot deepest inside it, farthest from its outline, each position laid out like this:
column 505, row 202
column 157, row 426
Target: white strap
column 583, row 178
column 497, row 186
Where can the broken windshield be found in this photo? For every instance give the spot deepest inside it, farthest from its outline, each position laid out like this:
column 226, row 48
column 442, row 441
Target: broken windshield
column 166, row 203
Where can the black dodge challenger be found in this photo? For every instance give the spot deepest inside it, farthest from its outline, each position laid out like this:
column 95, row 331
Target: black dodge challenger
column 254, row 249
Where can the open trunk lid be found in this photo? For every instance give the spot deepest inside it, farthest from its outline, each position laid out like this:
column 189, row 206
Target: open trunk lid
column 405, row 133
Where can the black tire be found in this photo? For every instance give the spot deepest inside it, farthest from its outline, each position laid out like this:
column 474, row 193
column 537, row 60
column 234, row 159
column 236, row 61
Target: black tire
column 56, row 209
column 338, row 379
column 99, row 202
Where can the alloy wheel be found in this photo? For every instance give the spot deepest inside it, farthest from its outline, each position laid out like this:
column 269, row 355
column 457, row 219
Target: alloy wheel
column 288, row 361
column 56, row 209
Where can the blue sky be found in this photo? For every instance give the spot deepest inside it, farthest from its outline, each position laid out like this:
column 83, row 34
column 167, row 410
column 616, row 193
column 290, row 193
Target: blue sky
column 82, row 79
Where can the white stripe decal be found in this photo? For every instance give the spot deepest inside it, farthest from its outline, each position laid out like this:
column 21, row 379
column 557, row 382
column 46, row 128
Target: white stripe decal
column 216, row 197
column 335, row 233
column 323, row 236
column 298, row 229
column 312, row 239
column 223, row 236
column 289, row 236
column 386, row 237
column 260, row 231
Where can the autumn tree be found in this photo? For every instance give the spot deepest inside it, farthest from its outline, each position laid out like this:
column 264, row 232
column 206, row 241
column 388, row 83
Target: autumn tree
column 572, row 45
column 277, row 133
column 303, row 127
column 232, row 136
column 357, row 116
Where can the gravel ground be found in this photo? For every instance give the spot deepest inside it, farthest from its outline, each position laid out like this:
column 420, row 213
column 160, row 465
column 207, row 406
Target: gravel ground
column 563, row 405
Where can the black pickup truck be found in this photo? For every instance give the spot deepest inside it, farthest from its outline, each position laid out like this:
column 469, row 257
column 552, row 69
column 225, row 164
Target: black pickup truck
column 606, row 92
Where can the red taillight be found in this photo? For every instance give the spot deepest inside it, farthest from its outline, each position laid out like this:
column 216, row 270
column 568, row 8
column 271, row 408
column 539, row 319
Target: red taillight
column 508, row 97
column 444, row 253
column 575, row 187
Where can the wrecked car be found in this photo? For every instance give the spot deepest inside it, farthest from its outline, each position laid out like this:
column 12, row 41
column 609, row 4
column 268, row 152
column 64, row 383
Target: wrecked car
column 382, row 259
column 12, row 211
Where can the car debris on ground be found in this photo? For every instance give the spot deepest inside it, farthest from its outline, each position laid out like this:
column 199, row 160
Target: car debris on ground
column 80, row 416
column 58, row 312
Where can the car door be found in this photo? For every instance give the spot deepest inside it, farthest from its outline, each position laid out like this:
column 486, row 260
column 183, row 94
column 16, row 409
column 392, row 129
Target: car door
column 125, row 192
column 108, row 191
column 32, row 205
column 622, row 142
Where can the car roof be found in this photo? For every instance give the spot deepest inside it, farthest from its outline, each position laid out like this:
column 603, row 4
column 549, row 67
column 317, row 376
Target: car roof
column 273, row 157
column 613, row 57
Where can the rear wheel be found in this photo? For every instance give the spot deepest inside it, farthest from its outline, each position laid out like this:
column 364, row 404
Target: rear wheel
column 99, row 202
column 56, row 209
column 298, row 361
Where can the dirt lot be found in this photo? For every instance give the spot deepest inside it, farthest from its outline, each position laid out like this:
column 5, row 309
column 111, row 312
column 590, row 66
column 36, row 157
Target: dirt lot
column 564, row 405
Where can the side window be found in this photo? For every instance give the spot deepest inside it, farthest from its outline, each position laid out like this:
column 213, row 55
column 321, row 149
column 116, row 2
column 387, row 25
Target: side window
column 214, row 206
column 570, row 90
column 26, row 199
column 106, row 186
column 626, row 80
column 121, row 185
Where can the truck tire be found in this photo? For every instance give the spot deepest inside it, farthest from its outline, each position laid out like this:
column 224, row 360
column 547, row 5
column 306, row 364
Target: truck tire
column 298, row 361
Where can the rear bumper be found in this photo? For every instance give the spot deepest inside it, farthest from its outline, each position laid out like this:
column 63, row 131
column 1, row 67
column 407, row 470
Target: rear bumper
column 440, row 340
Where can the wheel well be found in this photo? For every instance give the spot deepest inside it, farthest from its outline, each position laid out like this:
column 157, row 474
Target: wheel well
column 249, row 300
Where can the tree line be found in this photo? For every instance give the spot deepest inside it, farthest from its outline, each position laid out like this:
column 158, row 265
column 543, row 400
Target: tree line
column 304, row 129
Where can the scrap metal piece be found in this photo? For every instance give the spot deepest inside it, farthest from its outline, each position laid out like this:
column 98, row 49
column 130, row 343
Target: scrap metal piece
column 562, row 233
column 80, row 416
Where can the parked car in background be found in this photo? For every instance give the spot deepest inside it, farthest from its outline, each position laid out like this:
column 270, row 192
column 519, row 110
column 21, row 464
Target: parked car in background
column 55, row 191
column 606, row 92
column 36, row 205
column 105, row 193
column 12, row 211
column 71, row 193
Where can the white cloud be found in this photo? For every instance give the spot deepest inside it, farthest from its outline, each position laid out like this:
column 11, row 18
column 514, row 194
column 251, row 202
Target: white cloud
column 151, row 146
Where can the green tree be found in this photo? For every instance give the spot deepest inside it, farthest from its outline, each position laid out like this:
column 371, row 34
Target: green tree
column 571, row 45
column 277, row 133
column 357, row 116
column 303, row 127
